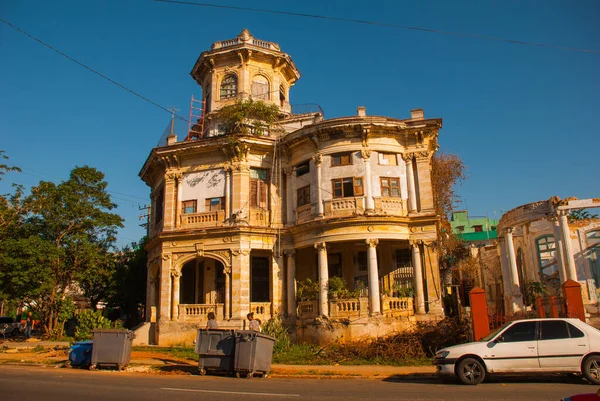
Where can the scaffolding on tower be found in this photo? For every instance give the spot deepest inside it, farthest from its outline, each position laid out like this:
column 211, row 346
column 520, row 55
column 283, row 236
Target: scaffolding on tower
column 196, row 120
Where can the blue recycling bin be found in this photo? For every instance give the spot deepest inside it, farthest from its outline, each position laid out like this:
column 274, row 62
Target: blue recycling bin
column 81, row 354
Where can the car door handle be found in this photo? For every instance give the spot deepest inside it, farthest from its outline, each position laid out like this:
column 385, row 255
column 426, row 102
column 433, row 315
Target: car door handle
column 581, row 345
column 531, row 347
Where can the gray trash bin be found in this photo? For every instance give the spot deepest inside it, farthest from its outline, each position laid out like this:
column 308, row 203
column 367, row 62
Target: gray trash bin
column 215, row 349
column 253, row 353
column 111, row 347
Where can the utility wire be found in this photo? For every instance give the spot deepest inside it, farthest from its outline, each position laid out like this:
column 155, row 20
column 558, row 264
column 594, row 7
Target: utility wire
column 92, row 70
column 397, row 26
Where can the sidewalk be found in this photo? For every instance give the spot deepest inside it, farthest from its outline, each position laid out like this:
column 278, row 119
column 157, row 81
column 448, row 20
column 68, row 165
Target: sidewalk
column 142, row 361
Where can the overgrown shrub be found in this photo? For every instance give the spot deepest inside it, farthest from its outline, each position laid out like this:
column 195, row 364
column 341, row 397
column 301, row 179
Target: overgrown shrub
column 89, row 320
column 276, row 329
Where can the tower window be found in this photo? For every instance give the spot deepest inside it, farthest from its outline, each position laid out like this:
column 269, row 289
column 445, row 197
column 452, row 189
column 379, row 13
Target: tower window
column 281, row 95
column 229, row 87
column 304, row 196
column 341, row 159
column 260, row 88
column 302, row 169
column 345, row 187
column 390, row 187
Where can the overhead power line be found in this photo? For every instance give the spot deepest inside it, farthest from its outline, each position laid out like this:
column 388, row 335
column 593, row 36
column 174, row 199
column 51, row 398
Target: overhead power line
column 91, row 69
column 396, row 26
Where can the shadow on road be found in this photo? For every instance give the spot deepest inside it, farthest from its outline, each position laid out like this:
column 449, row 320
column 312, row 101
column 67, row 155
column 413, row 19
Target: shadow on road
column 426, row 378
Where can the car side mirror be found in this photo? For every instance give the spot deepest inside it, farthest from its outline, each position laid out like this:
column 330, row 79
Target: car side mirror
column 499, row 339
column 491, row 344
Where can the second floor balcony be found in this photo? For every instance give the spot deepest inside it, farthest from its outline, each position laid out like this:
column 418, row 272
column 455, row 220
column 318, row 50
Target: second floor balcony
column 351, row 206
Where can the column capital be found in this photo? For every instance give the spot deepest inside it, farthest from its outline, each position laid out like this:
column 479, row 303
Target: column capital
column 372, row 242
column 237, row 252
column 509, row 230
column 318, row 159
column 227, row 270
column 407, row 156
column 240, row 166
column 321, row 246
column 423, row 155
column 288, row 171
column 175, row 274
column 415, row 242
column 365, row 153
column 289, row 252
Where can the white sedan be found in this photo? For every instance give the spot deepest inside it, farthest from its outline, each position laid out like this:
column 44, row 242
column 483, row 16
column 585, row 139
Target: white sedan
column 526, row 346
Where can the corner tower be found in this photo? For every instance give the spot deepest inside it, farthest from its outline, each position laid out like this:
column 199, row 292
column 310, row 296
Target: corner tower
column 245, row 68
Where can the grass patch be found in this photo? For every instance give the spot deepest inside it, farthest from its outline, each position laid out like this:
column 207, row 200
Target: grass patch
column 178, row 352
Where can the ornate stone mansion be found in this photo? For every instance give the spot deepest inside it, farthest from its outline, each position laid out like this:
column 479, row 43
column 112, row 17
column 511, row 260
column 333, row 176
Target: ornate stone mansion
column 240, row 223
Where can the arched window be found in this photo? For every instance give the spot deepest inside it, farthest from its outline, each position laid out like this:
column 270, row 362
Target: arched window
column 260, row 88
column 229, row 87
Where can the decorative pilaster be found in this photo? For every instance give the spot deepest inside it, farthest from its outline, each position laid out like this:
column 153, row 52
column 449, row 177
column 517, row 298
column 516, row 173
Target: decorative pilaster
column 410, row 180
column 515, row 289
column 423, row 184
column 432, row 279
column 291, row 282
column 418, row 277
column 169, row 202
column 228, row 199
column 240, row 178
column 321, row 248
column 369, row 202
column 240, row 283
column 165, row 287
column 276, row 283
column 175, row 275
column 568, row 251
column 290, row 205
column 318, row 159
column 374, row 299
column 227, row 300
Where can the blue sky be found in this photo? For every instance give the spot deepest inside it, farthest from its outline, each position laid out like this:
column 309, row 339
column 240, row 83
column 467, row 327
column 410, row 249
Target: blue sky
column 523, row 118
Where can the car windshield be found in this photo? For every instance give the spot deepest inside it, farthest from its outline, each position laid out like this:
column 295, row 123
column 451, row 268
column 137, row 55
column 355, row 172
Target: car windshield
column 494, row 332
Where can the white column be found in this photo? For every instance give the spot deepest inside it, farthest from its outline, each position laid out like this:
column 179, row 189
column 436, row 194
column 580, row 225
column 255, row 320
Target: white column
column 515, row 289
column 323, row 278
column 318, row 163
column 558, row 248
column 418, row 277
column 374, row 300
column 291, row 282
column 227, row 300
column 568, row 251
column 505, row 274
column 175, row 275
column 369, row 203
column 410, row 180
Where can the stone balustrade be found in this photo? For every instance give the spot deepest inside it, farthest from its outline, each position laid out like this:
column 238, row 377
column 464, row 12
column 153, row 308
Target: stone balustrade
column 198, row 312
column 394, row 306
column 305, row 213
column 349, row 308
column 204, row 219
column 261, row 310
column 390, row 206
column 308, row 309
column 344, row 207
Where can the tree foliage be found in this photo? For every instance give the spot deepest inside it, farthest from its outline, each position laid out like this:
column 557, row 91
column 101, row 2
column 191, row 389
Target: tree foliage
column 58, row 240
column 447, row 172
column 243, row 115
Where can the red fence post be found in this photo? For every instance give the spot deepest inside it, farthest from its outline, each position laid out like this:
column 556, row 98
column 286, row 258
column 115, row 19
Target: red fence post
column 572, row 293
column 539, row 306
column 479, row 313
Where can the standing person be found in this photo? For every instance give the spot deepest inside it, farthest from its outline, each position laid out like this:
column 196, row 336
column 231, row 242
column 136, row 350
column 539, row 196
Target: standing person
column 212, row 323
column 28, row 325
column 253, row 324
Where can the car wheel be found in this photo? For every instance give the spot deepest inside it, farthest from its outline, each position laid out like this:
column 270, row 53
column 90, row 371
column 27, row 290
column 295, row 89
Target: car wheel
column 470, row 371
column 591, row 368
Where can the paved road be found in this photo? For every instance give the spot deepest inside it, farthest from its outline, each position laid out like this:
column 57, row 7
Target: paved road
column 19, row 383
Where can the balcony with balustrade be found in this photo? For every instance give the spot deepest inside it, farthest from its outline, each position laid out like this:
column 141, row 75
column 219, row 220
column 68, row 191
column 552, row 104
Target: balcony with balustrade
column 354, row 308
column 203, row 220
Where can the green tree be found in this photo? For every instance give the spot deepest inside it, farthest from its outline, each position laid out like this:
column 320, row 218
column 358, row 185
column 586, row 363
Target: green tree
column 128, row 282
column 240, row 116
column 447, row 171
column 581, row 214
column 75, row 230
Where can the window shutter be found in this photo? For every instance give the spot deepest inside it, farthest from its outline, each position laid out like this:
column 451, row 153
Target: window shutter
column 263, row 195
column 358, row 186
column 254, row 193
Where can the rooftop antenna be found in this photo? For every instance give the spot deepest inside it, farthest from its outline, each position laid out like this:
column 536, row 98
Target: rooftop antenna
column 173, row 110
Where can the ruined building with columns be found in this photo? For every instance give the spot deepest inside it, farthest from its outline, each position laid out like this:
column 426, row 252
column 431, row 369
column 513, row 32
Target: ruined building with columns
column 239, row 223
column 538, row 244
